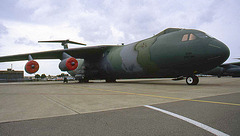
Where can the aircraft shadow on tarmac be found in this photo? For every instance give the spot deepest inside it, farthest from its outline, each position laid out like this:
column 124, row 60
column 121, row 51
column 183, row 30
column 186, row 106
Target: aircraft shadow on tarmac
column 151, row 82
column 120, row 82
column 173, row 83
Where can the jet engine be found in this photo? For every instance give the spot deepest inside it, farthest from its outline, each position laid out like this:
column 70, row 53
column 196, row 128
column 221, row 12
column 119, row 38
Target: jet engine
column 68, row 64
column 234, row 71
column 31, row 67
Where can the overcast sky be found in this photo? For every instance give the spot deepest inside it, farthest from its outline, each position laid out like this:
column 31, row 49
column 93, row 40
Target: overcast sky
column 96, row 22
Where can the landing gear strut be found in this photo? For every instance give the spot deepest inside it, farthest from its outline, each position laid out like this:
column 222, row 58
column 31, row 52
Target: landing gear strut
column 83, row 80
column 192, row 80
column 111, row 80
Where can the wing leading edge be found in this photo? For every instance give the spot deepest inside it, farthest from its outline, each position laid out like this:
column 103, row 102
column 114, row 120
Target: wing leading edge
column 83, row 53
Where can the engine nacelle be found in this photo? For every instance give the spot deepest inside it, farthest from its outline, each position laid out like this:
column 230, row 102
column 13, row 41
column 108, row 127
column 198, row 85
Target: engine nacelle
column 216, row 71
column 68, row 64
column 31, row 67
column 233, row 71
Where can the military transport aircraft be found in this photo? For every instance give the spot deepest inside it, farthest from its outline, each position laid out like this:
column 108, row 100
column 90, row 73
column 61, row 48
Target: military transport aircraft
column 171, row 53
column 228, row 69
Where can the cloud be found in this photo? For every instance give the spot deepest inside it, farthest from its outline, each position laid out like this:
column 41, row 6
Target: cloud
column 136, row 19
column 3, row 30
column 23, row 40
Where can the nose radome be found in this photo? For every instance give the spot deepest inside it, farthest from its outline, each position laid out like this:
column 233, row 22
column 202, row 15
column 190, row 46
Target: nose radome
column 218, row 50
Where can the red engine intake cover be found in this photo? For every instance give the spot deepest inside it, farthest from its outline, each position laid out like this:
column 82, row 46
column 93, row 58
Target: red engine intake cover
column 31, row 67
column 71, row 63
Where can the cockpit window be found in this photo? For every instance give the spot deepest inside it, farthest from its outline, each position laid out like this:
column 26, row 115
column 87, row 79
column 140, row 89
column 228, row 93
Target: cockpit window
column 192, row 37
column 189, row 37
column 185, row 37
column 201, row 35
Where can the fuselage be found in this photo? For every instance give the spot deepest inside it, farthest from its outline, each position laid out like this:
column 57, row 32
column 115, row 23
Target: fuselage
column 171, row 53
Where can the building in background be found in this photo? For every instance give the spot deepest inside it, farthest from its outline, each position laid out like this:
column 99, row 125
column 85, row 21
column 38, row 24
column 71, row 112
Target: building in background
column 11, row 76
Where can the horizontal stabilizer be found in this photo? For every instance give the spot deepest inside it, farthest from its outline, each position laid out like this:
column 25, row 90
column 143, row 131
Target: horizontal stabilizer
column 64, row 42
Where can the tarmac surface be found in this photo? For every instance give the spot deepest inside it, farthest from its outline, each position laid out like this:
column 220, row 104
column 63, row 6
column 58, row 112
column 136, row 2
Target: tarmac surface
column 97, row 108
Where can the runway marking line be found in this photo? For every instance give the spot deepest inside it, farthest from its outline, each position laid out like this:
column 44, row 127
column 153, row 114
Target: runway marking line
column 165, row 97
column 198, row 124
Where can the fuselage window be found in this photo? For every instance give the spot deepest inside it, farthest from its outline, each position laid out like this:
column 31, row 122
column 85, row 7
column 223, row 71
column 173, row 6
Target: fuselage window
column 192, row 37
column 185, row 37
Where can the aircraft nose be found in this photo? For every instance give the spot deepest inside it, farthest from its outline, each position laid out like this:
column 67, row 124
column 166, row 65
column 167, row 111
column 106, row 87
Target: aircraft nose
column 218, row 51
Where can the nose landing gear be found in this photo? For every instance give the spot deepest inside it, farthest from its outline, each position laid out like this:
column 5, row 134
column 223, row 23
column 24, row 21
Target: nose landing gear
column 192, row 80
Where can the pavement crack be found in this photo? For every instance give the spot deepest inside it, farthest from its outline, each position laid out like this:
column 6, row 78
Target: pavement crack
column 58, row 102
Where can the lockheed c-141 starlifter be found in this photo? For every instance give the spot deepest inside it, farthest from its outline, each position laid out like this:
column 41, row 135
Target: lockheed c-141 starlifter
column 171, row 53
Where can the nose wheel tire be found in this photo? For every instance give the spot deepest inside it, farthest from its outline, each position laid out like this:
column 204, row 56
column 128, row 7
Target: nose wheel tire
column 192, row 80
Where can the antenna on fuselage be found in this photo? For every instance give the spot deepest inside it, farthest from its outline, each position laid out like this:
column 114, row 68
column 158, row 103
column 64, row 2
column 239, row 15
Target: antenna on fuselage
column 64, row 43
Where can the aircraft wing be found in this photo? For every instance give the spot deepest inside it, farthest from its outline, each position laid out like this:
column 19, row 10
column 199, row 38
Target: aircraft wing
column 233, row 63
column 227, row 69
column 83, row 52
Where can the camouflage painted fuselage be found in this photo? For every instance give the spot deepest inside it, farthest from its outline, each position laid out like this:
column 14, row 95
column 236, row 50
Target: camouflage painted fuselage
column 167, row 54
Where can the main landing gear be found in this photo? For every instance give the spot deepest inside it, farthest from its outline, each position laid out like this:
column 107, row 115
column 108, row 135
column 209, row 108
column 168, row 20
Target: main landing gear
column 192, row 80
column 83, row 80
column 109, row 80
